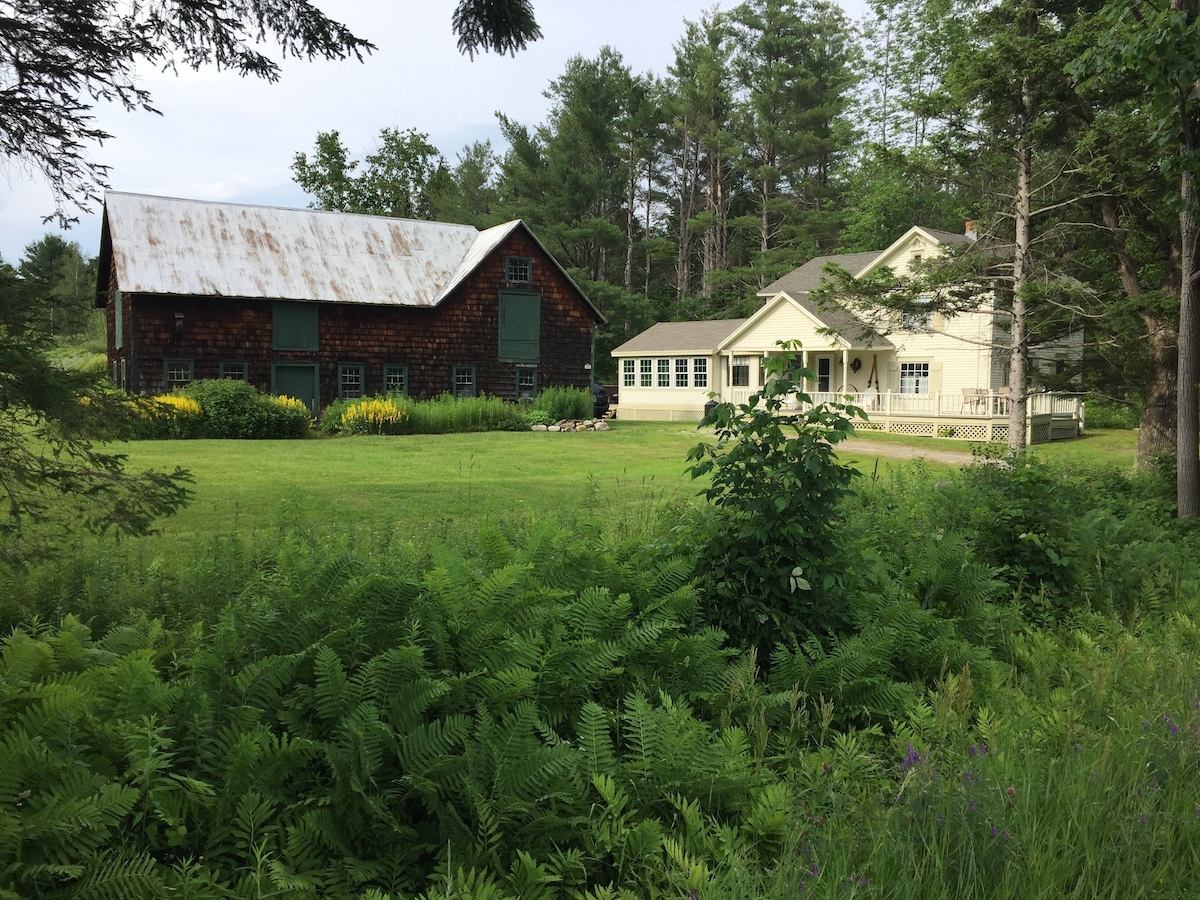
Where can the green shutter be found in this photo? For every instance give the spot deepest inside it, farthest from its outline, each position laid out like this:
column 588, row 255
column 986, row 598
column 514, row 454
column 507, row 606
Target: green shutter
column 118, row 320
column 294, row 326
column 520, row 327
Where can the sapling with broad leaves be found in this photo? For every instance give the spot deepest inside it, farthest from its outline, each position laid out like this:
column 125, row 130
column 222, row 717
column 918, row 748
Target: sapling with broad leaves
column 771, row 565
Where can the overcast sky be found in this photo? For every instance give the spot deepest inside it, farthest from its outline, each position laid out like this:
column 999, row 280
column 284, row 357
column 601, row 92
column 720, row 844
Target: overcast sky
column 221, row 137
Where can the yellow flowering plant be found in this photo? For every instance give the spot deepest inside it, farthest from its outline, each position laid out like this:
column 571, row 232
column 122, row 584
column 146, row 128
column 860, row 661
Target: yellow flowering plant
column 374, row 415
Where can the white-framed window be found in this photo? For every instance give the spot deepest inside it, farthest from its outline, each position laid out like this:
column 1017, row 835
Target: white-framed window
column 700, row 372
column 664, row 373
column 681, row 373
column 739, row 376
column 914, row 378
column 646, row 372
column 628, row 373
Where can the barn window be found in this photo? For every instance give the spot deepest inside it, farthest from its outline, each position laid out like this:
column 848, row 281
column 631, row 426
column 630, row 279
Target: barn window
column 526, row 384
column 234, row 371
column 350, row 381
column 518, row 269
column 520, row 327
column 395, row 379
column 177, row 373
column 464, row 381
column 294, row 326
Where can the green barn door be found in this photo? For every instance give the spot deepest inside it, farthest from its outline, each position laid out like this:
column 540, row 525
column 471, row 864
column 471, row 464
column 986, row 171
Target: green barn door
column 297, row 380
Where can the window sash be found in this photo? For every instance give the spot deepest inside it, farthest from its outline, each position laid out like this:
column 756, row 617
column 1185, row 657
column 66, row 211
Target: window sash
column 395, row 380
column 646, row 372
column 739, row 375
column 526, row 384
column 700, row 372
column 914, row 378
column 464, row 381
column 350, row 381
column 235, row 371
column 664, row 373
column 681, row 373
column 178, row 373
column 518, row 269
column 628, row 373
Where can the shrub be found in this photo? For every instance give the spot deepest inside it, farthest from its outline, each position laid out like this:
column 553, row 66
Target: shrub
column 373, row 415
column 167, row 417
column 771, row 561
column 564, row 403
column 539, row 417
column 288, row 417
column 1105, row 413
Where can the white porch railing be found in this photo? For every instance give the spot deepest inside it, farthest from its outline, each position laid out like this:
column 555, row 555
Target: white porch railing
column 969, row 415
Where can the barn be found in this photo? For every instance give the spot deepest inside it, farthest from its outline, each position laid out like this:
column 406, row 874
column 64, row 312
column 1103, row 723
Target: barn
column 323, row 305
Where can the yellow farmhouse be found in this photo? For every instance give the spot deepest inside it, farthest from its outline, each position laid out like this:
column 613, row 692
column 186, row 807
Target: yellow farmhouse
column 931, row 375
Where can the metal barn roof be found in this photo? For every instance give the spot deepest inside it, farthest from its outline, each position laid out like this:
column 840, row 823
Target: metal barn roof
column 162, row 245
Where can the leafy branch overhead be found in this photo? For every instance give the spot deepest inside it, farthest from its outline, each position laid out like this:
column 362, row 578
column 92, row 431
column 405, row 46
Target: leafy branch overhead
column 59, row 58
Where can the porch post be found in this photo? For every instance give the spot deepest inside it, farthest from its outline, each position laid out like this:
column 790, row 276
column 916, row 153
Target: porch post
column 845, row 371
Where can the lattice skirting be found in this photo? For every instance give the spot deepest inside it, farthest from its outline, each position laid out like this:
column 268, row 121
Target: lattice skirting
column 920, row 429
column 1040, row 433
column 650, row 414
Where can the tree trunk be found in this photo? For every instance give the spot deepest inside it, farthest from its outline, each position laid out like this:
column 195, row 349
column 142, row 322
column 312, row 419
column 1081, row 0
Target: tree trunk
column 1187, row 445
column 1156, row 425
column 1018, row 339
column 629, row 218
column 1157, row 431
column 683, row 262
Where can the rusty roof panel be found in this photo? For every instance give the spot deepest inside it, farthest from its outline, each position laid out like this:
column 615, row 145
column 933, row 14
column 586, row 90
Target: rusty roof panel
column 163, row 245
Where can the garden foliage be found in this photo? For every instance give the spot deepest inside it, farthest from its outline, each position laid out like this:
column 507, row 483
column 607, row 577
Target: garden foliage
column 560, row 403
column 221, row 408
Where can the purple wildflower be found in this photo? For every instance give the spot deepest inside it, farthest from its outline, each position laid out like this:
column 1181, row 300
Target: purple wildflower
column 1144, row 820
column 911, row 759
column 864, row 881
column 1011, row 791
column 995, row 831
column 971, row 806
column 1172, row 728
column 814, row 868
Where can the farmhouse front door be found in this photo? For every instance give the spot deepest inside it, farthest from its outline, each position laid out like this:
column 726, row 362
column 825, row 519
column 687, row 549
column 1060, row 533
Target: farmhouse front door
column 297, row 380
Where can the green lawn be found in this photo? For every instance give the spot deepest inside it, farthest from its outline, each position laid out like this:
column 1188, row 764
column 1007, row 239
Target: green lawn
column 416, row 484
